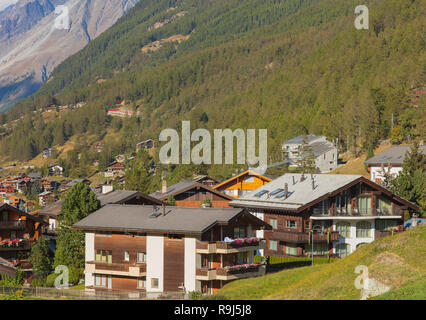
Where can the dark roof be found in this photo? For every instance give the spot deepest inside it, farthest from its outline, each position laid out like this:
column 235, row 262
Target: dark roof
column 176, row 219
column 183, row 186
column 51, row 210
column 394, row 155
column 121, row 196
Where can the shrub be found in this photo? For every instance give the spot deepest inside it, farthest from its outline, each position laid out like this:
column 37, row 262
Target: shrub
column 38, row 282
column 195, row 295
column 50, row 280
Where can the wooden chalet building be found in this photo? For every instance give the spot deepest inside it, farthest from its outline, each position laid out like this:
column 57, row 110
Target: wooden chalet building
column 192, row 194
column 115, row 167
column 206, row 180
column 153, row 249
column 18, row 232
column 344, row 212
column 242, row 183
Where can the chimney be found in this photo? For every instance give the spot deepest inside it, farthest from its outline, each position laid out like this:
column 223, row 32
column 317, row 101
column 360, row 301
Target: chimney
column 313, row 184
column 312, row 176
column 294, row 181
column 285, row 191
column 164, row 209
column 302, row 178
column 163, row 186
column 107, row 188
column 414, row 220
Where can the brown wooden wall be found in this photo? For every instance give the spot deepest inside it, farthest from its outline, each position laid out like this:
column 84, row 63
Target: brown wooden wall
column 174, row 264
column 118, row 243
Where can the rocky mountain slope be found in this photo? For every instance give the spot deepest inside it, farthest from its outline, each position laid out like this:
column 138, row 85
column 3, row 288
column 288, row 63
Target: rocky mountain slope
column 31, row 44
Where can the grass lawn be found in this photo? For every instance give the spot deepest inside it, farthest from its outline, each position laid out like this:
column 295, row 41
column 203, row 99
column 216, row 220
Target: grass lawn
column 397, row 261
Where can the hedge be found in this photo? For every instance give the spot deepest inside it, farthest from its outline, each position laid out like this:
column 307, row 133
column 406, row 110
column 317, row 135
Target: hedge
column 293, row 262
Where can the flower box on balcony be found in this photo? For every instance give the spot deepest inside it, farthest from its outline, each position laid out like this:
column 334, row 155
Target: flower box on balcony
column 239, row 242
column 242, row 268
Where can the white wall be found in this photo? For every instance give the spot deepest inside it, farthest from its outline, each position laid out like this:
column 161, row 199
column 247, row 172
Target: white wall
column 376, row 172
column 190, row 264
column 353, row 241
column 155, row 262
column 89, row 256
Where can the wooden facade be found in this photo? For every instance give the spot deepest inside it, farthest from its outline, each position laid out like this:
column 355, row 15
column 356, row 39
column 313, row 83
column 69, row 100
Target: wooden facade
column 18, row 232
column 361, row 203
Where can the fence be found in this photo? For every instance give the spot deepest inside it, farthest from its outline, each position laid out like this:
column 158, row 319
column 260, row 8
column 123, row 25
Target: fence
column 59, row 294
column 280, row 263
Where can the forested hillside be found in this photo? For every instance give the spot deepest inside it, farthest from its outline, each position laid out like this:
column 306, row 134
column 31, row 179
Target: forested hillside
column 291, row 66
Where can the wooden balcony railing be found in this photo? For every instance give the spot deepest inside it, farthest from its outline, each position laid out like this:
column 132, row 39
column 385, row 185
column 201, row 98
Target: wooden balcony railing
column 357, row 212
column 301, row 237
column 10, row 245
column 120, row 267
column 12, row 225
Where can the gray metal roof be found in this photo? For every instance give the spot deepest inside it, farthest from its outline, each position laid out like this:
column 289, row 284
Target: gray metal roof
column 394, row 155
column 173, row 189
column 321, row 147
column 138, row 218
column 52, row 210
column 116, row 196
column 301, row 193
column 309, row 138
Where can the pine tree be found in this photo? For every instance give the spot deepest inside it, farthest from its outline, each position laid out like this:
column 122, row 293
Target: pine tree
column 40, row 257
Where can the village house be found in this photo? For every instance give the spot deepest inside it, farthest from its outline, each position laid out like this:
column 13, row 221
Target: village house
column 206, row 180
column 152, row 250
column 46, row 152
column 242, row 183
column 115, row 167
column 192, row 194
column 388, row 162
column 56, row 170
column 147, row 144
column 344, row 212
column 18, row 232
column 324, row 152
column 46, row 198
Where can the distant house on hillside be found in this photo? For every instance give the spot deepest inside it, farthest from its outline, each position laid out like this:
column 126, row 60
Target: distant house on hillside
column 324, row 152
column 115, row 167
column 47, row 152
column 56, row 170
column 389, row 161
column 147, row 144
column 206, row 180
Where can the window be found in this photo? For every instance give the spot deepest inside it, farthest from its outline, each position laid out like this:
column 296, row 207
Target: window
column 5, row 216
column 272, row 245
column 141, row 283
column 320, row 249
column 141, row 257
column 174, row 236
column 363, row 229
column 103, row 255
column 291, row 224
column 239, row 232
column 126, row 256
column 273, row 223
column 291, row 249
column 154, row 283
column 321, row 208
column 344, row 229
column 101, row 281
column 240, row 258
column 383, row 206
column 384, row 225
column 364, row 206
column 343, row 249
column 307, row 225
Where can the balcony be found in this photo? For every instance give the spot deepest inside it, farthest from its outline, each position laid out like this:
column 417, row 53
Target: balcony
column 238, row 245
column 231, row 272
column 300, row 237
column 117, row 269
column 12, row 225
column 15, row 245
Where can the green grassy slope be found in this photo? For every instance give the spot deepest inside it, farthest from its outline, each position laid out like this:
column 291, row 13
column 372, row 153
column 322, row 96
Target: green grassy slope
column 397, row 261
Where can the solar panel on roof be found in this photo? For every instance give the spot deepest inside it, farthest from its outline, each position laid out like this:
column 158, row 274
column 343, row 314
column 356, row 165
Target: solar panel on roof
column 261, row 193
column 155, row 214
column 282, row 194
column 276, row 191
